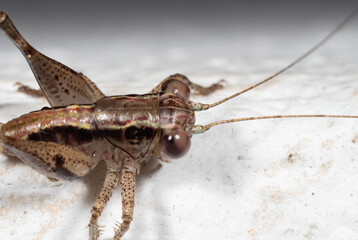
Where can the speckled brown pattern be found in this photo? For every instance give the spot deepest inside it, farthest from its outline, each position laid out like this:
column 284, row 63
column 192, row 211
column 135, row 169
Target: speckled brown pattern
column 128, row 184
column 60, row 84
column 51, row 159
column 109, row 185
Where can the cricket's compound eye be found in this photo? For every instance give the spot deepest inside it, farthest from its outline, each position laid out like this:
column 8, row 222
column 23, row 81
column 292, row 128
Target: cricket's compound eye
column 175, row 143
column 177, row 87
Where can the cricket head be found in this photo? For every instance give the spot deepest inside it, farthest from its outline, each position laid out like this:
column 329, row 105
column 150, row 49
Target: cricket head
column 177, row 118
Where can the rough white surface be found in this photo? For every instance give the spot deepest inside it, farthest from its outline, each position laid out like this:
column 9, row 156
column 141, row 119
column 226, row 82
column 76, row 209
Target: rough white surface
column 272, row 179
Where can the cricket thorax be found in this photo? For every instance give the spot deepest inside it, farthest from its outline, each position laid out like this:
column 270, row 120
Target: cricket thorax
column 131, row 123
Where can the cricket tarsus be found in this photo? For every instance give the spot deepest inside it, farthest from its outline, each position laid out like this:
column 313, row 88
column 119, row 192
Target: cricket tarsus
column 311, row 50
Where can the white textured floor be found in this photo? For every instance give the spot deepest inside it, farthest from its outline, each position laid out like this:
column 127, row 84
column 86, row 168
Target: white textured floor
column 272, row 179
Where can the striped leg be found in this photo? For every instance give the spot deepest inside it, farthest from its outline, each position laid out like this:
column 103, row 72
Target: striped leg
column 109, row 185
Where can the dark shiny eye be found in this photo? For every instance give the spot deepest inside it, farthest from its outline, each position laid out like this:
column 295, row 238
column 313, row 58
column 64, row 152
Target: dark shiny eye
column 175, row 143
column 177, row 87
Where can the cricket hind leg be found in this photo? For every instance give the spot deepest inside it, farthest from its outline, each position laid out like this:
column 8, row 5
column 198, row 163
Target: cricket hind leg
column 53, row 160
column 60, row 84
column 195, row 88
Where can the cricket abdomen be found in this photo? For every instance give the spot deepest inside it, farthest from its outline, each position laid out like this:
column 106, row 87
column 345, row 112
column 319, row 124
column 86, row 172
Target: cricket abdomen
column 72, row 125
column 57, row 142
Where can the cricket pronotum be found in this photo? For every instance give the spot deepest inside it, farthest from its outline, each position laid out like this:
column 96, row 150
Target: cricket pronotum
column 85, row 127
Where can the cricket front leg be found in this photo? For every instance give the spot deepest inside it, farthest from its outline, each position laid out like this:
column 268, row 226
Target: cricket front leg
column 195, row 88
column 109, row 185
column 128, row 183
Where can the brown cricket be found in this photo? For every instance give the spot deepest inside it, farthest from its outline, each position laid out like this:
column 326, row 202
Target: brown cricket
column 83, row 126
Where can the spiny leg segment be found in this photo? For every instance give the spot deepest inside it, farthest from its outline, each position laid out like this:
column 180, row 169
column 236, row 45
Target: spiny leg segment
column 109, row 185
column 128, row 184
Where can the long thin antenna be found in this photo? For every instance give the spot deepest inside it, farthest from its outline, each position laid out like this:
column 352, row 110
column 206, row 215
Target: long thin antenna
column 201, row 129
column 200, row 106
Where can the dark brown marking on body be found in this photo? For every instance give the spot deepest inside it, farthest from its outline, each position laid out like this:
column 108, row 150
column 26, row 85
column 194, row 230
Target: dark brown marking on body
column 66, row 135
column 135, row 135
column 60, row 170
